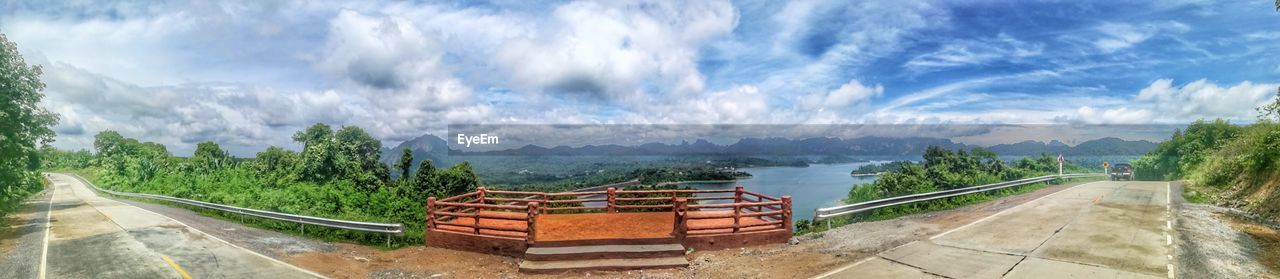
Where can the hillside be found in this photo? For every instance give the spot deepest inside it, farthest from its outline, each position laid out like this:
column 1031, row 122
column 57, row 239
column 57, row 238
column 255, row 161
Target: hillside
column 1229, row 165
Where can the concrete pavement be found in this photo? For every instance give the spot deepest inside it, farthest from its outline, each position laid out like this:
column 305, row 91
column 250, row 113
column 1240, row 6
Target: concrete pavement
column 95, row 237
column 1108, row 229
column 22, row 238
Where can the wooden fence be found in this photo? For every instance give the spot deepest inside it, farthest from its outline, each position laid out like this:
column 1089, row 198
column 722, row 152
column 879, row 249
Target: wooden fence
column 514, row 214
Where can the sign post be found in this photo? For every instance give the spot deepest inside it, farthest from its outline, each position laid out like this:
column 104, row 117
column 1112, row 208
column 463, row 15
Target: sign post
column 1060, row 160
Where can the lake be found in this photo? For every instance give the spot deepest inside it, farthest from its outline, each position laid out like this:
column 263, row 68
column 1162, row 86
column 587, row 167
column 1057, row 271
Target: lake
column 810, row 187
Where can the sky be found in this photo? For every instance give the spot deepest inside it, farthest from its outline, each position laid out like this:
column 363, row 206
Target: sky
column 248, row 74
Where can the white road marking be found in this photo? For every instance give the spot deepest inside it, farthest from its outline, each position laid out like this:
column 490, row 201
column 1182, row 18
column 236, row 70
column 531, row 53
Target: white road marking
column 838, row 270
column 48, row 223
column 1168, row 207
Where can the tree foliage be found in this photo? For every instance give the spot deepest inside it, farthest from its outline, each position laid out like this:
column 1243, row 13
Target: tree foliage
column 944, row 169
column 337, row 175
column 24, row 125
column 1185, row 150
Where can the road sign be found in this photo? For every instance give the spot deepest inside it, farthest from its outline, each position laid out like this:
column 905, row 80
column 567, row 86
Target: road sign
column 1060, row 160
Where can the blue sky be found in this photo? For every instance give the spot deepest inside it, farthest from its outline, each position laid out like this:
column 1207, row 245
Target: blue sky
column 248, row 75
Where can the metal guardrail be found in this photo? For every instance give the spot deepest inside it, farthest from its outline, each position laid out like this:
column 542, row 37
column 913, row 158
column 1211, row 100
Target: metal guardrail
column 395, row 229
column 825, row 213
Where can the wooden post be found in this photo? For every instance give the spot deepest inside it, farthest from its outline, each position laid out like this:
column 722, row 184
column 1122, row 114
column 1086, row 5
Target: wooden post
column 681, row 209
column 533, row 217
column 431, row 212
column 480, row 195
column 786, row 213
column 737, row 216
column 545, row 201
column 431, row 218
column 611, row 196
column 737, row 194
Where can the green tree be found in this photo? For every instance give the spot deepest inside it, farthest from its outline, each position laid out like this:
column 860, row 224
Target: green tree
column 210, row 157
column 456, row 180
column 319, row 153
column 424, row 180
column 1271, row 111
column 362, row 153
column 275, row 161
column 405, row 164
column 24, row 125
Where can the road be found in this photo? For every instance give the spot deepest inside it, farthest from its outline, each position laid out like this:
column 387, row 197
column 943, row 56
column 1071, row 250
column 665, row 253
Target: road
column 1108, row 229
column 88, row 236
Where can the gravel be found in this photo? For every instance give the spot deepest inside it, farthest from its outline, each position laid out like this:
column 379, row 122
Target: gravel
column 1209, row 247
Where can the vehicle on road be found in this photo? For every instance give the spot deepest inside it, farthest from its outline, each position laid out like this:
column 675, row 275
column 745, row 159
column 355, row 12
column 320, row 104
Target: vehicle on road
column 1121, row 171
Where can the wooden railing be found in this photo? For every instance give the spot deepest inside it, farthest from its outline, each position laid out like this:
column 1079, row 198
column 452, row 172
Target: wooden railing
column 696, row 212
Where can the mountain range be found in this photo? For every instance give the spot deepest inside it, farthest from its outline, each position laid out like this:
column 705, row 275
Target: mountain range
column 437, row 149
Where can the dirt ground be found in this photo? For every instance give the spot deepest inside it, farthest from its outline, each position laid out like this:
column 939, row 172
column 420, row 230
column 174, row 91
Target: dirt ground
column 1221, row 242
column 806, row 256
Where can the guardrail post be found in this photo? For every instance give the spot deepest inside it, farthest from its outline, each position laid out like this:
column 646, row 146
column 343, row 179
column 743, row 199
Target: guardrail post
column 480, row 195
column 681, row 208
column 533, row 217
column 611, row 196
column 786, row 213
column 737, row 194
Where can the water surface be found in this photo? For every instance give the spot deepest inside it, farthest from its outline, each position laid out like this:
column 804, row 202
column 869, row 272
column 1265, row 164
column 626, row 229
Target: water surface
column 810, row 187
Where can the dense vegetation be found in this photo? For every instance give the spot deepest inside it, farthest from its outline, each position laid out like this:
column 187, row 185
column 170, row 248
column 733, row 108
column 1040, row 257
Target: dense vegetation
column 24, row 126
column 943, row 169
column 658, row 175
column 1234, row 165
column 881, row 167
column 337, row 175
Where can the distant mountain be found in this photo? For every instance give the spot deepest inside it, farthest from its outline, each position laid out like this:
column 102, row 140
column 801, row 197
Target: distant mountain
column 1102, row 146
column 424, row 147
column 437, row 149
column 1112, row 146
column 748, row 146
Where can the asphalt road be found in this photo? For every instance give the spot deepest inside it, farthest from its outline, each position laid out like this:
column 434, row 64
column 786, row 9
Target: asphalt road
column 87, row 236
column 1108, row 229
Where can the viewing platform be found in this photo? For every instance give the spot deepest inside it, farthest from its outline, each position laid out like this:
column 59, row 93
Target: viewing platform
column 610, row 229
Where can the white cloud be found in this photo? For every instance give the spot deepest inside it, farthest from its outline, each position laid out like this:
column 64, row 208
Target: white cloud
column 1164, row 102
column 849, row 93
column 858, row 33
column 1117, row 36
column 384, row 52
column 614, row 49
column 1204, row 99
column 1091, row 115
column 975, row 52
